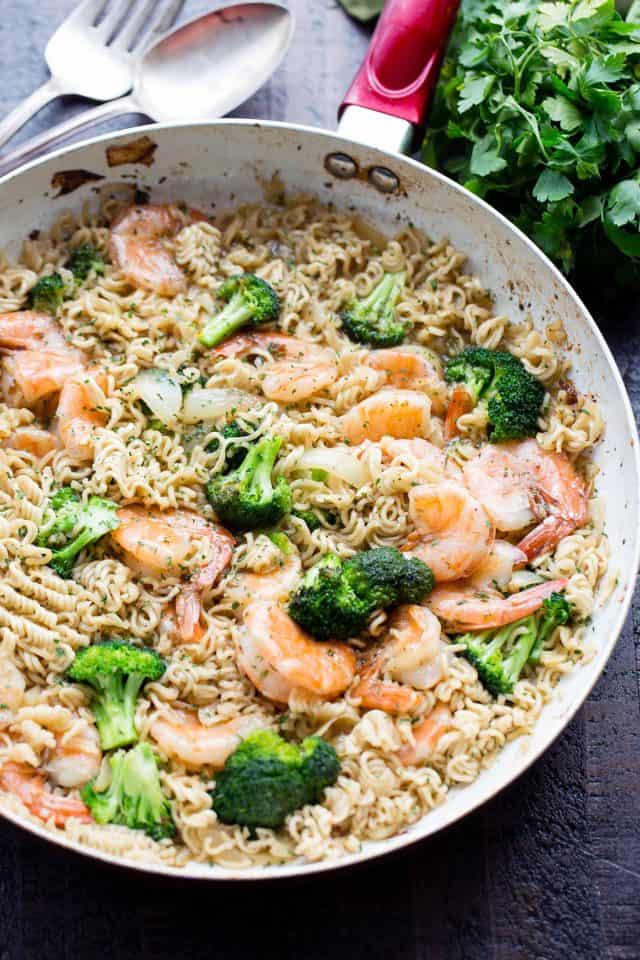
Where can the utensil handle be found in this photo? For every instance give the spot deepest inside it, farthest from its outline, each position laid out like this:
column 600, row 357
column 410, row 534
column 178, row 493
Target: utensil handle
column 400, row 71
column 28, row 108
column 50, row 138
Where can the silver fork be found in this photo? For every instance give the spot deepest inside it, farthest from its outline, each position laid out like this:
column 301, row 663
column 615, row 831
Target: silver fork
column 93, row 53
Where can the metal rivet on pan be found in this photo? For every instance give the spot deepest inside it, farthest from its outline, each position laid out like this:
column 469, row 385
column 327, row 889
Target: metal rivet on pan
column 341, row 166
column 384, row 180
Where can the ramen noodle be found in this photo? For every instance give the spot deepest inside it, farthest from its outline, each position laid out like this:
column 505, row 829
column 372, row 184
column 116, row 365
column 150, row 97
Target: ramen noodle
column 316, row 259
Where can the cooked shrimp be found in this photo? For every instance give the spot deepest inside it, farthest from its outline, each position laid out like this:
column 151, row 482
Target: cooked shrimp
column 169, row 628
column 275, row 584
column 295, row 369
column 157, row 543
column 75, row 759
column 184, row 738
column 80, row 412
column 411, row 656
column 426, row 735
column 31, row 439
column 137, row 251
column 31, row 375
column 279, row 657
column 29, row 330
column 39, row 362
column 412, row 368
column 465, row 607
column 453, row 533
column 388, row 413
column 518, row 483
column 461, row 402
column 31, row 788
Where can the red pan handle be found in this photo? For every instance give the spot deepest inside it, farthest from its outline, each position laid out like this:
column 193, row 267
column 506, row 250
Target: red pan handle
column 399, row 73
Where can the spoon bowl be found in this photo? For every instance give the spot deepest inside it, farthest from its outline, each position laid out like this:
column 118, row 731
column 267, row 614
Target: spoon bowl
column 211, row 65
column 199, row 71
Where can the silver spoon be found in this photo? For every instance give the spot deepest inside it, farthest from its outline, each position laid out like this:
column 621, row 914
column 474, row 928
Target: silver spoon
column 93, row 51
column 202, row 70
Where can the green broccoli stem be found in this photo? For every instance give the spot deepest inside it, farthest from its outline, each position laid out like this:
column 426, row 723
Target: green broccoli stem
column 114, row 708
column 63, row 558
column 499, row 672
column 255, row 469
column 232, row 316
column 521, row 651
column 474, row 384
column 281, row 541
column 385, row 293
column 134, row 798
column 550, row 618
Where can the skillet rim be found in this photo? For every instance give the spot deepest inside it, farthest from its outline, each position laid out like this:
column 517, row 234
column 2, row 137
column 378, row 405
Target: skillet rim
column 413, row 834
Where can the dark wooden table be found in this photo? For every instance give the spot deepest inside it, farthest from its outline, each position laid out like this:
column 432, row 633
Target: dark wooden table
column 550, row 870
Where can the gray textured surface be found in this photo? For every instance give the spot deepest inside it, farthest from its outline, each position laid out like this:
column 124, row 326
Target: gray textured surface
column 550, row 869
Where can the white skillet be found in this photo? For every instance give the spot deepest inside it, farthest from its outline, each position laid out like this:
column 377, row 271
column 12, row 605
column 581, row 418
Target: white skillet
column 227, row 161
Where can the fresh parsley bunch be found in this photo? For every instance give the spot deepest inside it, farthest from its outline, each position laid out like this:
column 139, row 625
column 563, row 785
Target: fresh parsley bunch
column 538, row 110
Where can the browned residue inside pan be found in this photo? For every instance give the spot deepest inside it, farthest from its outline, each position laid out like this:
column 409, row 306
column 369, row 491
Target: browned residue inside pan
column 141, row 150
column 66, row 181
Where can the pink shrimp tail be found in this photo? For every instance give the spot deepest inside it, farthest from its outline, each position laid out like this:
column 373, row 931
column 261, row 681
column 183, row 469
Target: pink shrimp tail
column 188, row 613
column 235, row 347
column 376, row 694
column 222, row 544
column 461, row 402
column 426, row 735
column 483, row 612
column 188, row 601
column 197, row 216
column 547, row 534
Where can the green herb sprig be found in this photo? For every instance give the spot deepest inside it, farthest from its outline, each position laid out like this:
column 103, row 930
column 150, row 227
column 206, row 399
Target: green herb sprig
column 538, row 111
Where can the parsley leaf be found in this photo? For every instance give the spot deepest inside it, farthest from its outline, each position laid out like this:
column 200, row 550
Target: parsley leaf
column 624, row 202
column 538, row 110
column 485, row 158
column 552, row 186
column 473, row 91
column 563, row 112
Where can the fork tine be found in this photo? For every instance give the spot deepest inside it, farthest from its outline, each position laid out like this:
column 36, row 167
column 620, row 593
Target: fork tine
column 86, row 13
column 174, row 9
column 164, row 14
column 156, row 17
column 129, row 32
column 115, row 13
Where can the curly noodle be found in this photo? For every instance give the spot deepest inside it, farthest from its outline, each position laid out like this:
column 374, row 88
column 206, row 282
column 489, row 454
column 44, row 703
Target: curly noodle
column 316, row 259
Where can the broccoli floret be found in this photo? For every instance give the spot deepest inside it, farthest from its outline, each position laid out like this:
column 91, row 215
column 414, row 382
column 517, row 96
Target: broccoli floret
column 555, row 611
column 47, row 294
column 499, row 661
column 83, row 260
column 247, row 498
column 373, row 319
column 499, row 655
column 312, row 518
column 115, row 670
column 71, row 525
column 499, row 380
column 267, row 778
column 337, row 597
column 134, row 797
column 250, row 301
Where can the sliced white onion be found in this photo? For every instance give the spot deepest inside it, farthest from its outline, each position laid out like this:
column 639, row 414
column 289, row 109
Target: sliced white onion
column 523, row 579
column 344, row 462
column 212, row 404
column 160, row 392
